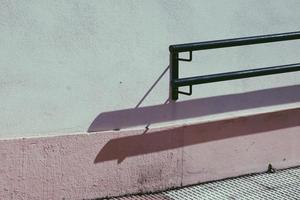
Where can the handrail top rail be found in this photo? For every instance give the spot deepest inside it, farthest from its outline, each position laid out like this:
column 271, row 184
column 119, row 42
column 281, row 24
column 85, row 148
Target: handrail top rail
column 188, row 47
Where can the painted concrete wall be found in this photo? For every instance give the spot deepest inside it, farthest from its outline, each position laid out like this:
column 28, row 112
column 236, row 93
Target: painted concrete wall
column 77, row 66
column 88, row 166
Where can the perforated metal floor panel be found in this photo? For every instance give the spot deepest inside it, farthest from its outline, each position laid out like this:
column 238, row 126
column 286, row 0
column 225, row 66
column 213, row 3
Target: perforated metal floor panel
column 283, row 185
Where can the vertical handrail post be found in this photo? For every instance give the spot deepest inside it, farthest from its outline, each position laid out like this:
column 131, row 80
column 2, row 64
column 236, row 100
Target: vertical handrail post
column 174, row 74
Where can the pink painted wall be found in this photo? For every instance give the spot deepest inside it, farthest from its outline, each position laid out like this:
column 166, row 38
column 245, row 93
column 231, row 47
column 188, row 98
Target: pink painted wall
column 120, row 162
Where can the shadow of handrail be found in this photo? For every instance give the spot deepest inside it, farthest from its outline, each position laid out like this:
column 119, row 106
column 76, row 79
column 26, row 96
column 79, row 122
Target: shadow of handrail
column 139, row 116
column 156, row 141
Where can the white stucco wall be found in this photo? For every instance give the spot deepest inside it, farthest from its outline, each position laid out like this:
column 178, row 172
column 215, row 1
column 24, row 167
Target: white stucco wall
column 63, row 63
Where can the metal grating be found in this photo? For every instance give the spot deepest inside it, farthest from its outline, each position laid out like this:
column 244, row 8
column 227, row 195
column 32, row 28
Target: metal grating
column 284, row 184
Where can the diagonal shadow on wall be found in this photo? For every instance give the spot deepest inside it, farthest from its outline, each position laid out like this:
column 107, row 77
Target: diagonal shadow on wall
column 162, row 140
column 142, row 116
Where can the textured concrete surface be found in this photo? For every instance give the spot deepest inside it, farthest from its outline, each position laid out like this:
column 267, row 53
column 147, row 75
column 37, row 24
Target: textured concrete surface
column 86, row 166
column 65, row 64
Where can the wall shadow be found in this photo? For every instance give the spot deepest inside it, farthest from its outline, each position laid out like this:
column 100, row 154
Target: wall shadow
column 121, row 148
column 169, row 111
